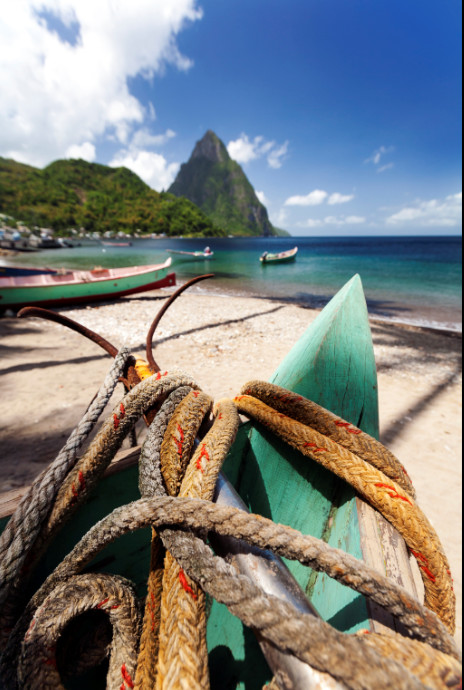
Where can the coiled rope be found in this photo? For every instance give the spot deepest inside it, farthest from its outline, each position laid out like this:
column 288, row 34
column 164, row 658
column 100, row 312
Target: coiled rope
column 378, row 488
column 111, row 594
column 176, row 482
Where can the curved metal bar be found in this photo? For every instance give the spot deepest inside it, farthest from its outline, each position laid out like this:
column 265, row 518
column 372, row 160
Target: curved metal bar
column 102, row 342
column 69, row 323
column 149, row 349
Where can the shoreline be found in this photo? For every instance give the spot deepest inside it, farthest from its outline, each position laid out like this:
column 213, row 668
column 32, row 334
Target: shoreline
column 49, row 374
column 449, row 332
column 388, row 299
column 422, row 324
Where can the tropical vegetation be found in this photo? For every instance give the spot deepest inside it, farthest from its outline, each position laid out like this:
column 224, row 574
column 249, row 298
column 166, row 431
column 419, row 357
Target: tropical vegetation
column 77, row 194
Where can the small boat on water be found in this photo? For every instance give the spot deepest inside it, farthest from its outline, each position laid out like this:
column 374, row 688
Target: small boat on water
column 280, row 258
column 205, row 254
column 333, row 364
column 75, row 287
column 117, row 244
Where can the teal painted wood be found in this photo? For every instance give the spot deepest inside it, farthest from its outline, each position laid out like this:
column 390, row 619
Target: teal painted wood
column 332, row 364
column 342, row 377
column 128, row 556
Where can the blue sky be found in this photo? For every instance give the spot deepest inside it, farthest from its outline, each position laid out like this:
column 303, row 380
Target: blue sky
column 344, row 114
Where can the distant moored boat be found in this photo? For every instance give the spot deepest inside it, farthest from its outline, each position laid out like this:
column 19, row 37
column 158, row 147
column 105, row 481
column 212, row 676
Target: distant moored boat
column 280, row 258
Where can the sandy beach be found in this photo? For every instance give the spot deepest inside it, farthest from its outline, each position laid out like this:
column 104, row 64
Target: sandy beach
column 48, row 375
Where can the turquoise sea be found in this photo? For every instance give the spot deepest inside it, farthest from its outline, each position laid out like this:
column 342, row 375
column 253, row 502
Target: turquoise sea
column 416, row 280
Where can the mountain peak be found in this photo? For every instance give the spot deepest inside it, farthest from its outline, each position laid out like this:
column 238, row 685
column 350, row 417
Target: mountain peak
column 218, row 185
column 211, row 148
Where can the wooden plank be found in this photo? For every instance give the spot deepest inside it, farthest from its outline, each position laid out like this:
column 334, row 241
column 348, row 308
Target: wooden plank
column 129, row 556
column 385, row 550
column 10, row 499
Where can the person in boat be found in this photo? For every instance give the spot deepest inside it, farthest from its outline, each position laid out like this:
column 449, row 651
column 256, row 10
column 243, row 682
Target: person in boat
column 207, row 250
column 264, row 255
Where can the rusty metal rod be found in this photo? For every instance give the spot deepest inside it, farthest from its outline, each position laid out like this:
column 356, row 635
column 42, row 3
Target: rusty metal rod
column 41, row 313
column 149, row 348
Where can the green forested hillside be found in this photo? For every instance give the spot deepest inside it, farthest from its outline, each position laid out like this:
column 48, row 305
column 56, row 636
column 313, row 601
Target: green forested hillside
column 73, row 194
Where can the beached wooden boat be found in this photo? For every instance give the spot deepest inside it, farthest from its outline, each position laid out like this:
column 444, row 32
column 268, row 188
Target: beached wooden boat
column 75, row 287
column 332, row 364
column 205, row 254
column 280, row 257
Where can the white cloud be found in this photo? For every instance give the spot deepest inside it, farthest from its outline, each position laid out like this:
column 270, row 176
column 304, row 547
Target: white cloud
column 243, row 150
column 378, row 154
column 317, row 197
column 86, row 151
column 337, row 198
column 144, row 139
column 280, row 218
column 311, row 223
column 262, row 198
column 388, row 166
column 445, row 212
column 354, row 220
column 314, row 198
column 275, row 156
column 59, row 92
column 331, row 220
column 153, row 168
